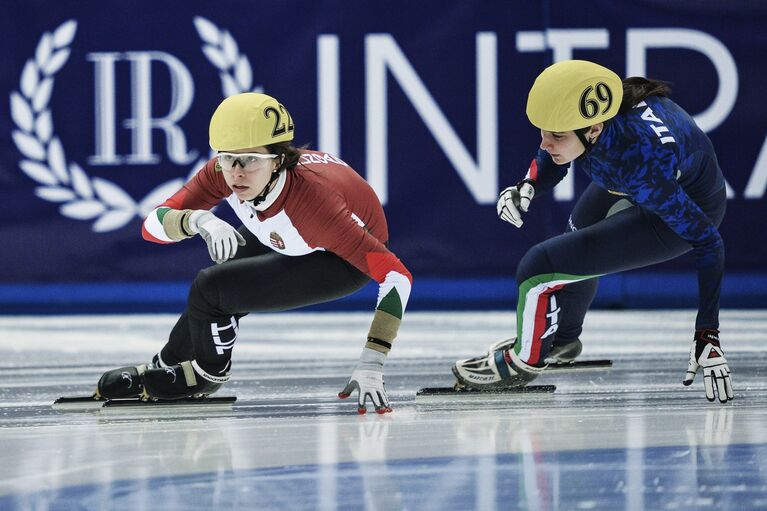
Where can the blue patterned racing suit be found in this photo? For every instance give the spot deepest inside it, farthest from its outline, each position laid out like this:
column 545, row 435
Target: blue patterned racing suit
column 657, row 192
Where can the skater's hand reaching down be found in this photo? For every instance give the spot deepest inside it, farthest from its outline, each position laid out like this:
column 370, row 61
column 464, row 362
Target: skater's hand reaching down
column 706, row 353
column 367, row 378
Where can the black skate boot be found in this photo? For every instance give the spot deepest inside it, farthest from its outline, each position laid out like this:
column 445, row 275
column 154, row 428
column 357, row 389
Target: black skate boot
column 565, row 353
column 156, row 362
column 121, row 383
column 180, row 381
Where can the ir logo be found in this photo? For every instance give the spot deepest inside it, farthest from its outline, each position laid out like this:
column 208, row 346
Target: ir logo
column 64, row 182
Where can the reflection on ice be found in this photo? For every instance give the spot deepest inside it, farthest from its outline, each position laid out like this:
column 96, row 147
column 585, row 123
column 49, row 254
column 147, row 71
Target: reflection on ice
column 629, row 438
column 507, row 459
column 526, row 480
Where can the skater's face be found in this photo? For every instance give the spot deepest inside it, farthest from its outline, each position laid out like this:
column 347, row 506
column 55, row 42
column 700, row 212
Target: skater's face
column 249, row 174
column 565, row 146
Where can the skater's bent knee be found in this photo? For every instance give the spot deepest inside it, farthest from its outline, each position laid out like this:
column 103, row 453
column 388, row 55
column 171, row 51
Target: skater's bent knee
column 204, row 296
column 535, row 262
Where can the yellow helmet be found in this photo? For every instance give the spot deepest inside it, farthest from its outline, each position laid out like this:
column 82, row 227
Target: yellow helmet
column 249, row 120
column 573, row 94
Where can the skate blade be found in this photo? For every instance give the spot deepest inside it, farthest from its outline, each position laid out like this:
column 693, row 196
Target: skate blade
column 580, row 365
column 171, row 403
column 88, row 403
column 468, row 392
column 78, row 403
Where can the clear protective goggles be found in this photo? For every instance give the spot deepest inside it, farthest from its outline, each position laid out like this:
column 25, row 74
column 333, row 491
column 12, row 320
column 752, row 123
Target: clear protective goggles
column 248, row 162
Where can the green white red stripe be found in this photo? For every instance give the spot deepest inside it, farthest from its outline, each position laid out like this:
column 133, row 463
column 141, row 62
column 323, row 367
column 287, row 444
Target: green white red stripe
column 152, row 230
column 532, row 307
column 393, row 294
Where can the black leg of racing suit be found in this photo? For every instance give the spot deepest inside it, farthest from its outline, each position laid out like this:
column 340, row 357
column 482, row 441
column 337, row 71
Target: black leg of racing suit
column 258, row 279
column 603, row 239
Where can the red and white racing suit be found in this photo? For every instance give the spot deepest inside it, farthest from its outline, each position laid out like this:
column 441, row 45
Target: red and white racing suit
column 320, row 234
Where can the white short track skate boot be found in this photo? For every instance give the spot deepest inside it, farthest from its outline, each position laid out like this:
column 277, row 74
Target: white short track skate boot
column 498, row 369
column 505, row 344
column 559, row 354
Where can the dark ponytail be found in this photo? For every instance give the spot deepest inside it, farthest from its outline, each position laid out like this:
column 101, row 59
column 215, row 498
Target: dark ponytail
column 290, row 154
column 636, row 89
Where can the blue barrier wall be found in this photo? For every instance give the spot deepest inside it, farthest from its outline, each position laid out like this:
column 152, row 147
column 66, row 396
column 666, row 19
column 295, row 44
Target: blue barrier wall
column 107, row 105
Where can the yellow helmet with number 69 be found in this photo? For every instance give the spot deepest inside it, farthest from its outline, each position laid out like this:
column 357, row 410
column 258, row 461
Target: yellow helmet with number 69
column 248, row 120
column 573, row 94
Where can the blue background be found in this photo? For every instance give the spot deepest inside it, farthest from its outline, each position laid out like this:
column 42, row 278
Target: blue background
column 461, row 255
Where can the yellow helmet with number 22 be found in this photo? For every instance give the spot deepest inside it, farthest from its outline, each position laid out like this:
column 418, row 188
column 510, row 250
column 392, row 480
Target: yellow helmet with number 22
column 248, row 120
column 573, row 94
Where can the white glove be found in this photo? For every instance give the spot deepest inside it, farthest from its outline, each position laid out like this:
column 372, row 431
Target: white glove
column 514, row 201
column 367, row 377
column 706, row 353
column 222, row 238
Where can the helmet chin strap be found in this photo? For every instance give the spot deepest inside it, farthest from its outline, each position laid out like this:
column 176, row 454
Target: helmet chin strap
column 261, row 197
column 587, row 144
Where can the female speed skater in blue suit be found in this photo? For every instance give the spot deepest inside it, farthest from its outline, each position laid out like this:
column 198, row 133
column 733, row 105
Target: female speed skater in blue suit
column 657, row 192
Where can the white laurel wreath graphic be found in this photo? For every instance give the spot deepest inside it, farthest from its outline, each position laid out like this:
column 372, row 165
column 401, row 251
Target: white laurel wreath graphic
column 81, row 196
column 222, row 51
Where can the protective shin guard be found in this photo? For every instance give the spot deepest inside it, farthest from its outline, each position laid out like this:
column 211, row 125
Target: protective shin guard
column 182, row 380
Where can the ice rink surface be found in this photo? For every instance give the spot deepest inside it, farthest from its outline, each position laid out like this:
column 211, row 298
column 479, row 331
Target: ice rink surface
column 631, row 437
